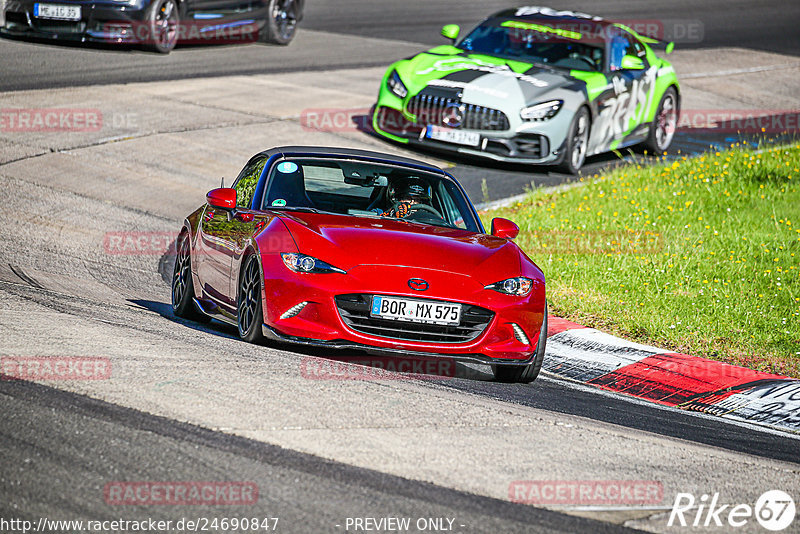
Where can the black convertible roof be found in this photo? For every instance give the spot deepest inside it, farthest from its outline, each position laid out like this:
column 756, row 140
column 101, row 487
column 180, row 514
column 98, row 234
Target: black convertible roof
column 326, row 151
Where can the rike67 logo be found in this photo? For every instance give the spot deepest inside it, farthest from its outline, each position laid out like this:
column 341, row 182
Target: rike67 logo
column 774, row 510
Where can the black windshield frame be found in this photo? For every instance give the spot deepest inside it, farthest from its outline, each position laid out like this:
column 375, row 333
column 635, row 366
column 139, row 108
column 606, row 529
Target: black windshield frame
column 454, row 191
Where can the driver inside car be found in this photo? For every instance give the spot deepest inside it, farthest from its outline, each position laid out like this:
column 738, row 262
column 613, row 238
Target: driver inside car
column 406, row 193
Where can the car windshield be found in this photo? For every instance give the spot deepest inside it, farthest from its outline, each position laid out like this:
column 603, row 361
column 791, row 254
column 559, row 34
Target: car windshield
column 537, row 41
column 362, row 189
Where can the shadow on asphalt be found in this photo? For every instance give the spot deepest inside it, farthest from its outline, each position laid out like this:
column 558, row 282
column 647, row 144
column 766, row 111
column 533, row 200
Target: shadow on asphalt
column 343, row 364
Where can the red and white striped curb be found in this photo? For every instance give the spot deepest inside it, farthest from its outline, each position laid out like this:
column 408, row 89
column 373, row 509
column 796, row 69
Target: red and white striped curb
column 686, row 382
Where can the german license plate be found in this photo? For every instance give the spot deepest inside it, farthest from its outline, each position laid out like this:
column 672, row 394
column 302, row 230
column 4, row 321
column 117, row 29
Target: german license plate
column 418, row 311
column 56, row 11
column 450, row 135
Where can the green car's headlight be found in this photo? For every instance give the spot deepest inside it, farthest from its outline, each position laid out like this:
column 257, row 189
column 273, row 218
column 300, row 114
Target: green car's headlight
column 541, row 111
column 396, row 85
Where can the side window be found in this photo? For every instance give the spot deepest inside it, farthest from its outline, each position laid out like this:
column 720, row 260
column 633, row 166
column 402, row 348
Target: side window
column 246, row 182
column 638, row 48
column 622, row 45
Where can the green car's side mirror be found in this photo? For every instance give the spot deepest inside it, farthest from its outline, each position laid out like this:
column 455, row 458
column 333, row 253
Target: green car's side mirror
column 451, row 31
column 670, row 47
column 632, row 63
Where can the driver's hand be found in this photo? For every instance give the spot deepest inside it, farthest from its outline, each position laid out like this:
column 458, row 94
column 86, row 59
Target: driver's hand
column 402, row 210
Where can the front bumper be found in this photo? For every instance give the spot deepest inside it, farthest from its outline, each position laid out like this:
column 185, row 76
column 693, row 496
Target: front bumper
column 120, row 23
column 538, row 147
column 320, row 322
column 99, row 22
column 274, row 335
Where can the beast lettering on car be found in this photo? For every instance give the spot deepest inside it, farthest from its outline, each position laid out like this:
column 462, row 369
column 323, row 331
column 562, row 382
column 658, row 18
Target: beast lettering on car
column 627, row 109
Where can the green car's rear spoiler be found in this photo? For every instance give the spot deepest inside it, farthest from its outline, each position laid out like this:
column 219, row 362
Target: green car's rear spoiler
column 667, row 46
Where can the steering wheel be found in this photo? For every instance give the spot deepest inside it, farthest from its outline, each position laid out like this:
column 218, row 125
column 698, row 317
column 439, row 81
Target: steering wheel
column 416, row 207
column 587, row 59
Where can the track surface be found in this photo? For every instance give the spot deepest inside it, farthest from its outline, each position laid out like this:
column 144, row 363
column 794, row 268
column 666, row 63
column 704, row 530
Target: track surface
column 89, row 443
column 767, row 25
column 320, row 451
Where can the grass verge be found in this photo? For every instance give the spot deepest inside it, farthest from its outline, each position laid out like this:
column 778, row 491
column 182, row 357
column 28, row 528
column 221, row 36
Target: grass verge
column 699, row 255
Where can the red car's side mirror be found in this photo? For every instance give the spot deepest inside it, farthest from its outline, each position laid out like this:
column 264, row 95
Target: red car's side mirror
column 223, row 198
column 504, row 228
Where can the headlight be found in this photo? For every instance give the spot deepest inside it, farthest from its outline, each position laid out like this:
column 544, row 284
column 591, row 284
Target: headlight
column 542, row 111
column 519, row 287
column 302, row 263
column 396, row 85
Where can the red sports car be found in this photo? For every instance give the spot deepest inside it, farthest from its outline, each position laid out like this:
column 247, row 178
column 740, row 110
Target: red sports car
column 354, row 249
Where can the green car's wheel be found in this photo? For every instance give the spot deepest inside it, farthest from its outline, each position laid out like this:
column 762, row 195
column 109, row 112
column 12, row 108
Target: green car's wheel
column 577, row 143
column 662, row 129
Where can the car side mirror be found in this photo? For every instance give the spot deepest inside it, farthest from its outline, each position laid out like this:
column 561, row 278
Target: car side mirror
column 630, row 62
column 504, row 228
column 451, row 31
column 222, row 198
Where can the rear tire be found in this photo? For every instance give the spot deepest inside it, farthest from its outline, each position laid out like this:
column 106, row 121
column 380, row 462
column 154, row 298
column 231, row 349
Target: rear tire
column 182, row 285
column 577, row 143
column 249, row 316
column 525, row 374
column 281, row 23
column 662, row 129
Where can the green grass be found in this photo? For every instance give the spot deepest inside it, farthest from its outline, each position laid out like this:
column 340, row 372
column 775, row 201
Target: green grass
column 699, row 255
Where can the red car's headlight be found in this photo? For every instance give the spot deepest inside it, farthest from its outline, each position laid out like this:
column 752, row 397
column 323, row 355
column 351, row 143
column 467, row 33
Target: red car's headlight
column 519, row 286
column 303, row 263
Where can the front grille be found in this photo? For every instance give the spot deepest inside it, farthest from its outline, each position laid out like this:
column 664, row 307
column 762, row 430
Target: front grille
column 354, row 310
column 429, row 108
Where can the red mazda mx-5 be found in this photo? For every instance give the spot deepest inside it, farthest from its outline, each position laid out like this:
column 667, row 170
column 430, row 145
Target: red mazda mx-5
column 354, row 249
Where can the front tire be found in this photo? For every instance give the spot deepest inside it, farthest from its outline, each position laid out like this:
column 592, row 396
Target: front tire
column 182, row 284
column 281, row 24
column 577, row 143
column 164, row 21
column 662, row 129
column 249, row 316
column 525, row 374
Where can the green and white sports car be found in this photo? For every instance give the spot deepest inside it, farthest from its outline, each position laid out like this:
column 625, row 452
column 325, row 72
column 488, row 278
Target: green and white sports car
column 536, row 86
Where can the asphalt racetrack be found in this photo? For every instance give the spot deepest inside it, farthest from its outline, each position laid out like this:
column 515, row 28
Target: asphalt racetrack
column 190, row 402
